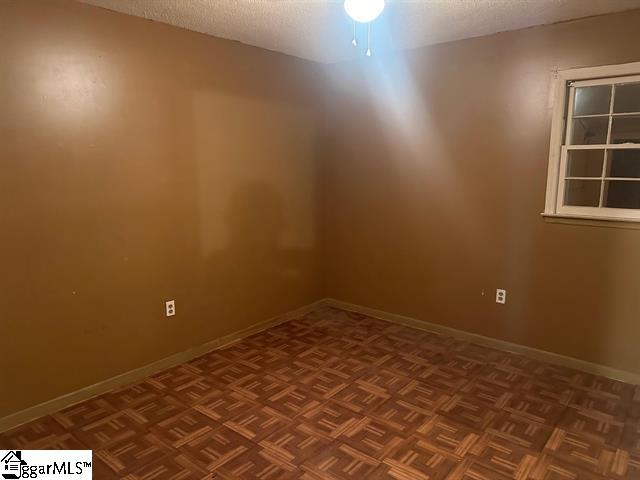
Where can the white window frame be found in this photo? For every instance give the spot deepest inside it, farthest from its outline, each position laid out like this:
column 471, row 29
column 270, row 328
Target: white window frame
column 565, row 84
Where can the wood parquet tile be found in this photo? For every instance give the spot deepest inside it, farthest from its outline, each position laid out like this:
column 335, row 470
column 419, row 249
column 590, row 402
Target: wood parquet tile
column 339, row 395
column 221, row 405
column 401, row 415
column 117, row 426
column 86, row 412
column 416, row 458
column 125, row 456
column 373, row 437
column 483, row 391
column 33, row 434
column 448, row 437
column 296, row 443
column 173, row 467
column 600, row 428
column 631, row 436
column 534, row 408
column 181, row 429
column 213, row 449
column 362, row 397
column 585, row 453
column 329, row 420
column 340, row 462
column 257, row 423
column 128, row 395
column 520, row 431
column 464, row 409
column 325, row 382
column 503, row 456
column 551, row 391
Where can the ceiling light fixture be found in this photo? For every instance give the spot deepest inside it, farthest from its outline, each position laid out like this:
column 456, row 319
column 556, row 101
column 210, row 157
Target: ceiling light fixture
column 363, row 11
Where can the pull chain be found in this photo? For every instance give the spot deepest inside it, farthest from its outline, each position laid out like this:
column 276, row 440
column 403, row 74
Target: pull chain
column 368, row 40
column 354, row 42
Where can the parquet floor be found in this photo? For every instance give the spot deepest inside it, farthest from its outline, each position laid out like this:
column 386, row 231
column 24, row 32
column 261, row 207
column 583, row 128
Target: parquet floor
column 338, row 395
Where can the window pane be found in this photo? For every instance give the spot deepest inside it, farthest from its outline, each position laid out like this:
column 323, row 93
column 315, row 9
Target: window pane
column 585, row 163
column 625, row 129
column 627, row 98
column 582, row 193
column 590, row 131
column 623, row 163
column 622, row 194
column 592, row 100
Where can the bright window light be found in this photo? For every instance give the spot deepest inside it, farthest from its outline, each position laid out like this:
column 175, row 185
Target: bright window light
column 364, row 11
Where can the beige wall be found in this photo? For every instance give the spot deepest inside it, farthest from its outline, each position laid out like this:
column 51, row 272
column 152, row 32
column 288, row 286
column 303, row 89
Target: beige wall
column 435, row 182
column 140, row 163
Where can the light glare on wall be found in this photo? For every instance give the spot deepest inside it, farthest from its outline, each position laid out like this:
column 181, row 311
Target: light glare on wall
column 364, row 11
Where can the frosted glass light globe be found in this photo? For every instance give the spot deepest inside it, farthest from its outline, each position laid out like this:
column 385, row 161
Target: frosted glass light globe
column 364, row 11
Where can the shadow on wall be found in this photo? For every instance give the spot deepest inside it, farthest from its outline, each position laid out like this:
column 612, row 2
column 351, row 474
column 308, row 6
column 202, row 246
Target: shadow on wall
column 255, row 202
column 255, row 259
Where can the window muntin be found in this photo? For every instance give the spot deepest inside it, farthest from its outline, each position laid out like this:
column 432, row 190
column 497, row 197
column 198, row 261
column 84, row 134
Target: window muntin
column 599, row 174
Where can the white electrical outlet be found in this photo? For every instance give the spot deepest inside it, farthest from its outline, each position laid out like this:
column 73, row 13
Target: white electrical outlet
column 170, row 308
column 501, row 296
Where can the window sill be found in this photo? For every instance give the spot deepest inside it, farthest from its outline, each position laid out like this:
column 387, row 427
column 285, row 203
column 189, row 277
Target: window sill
column 585, row 220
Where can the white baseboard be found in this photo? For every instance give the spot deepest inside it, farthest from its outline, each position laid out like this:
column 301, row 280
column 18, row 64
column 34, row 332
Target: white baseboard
column 132, row 376
column 531, row 352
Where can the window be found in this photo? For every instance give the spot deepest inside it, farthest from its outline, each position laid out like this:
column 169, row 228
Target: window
column 594, row 161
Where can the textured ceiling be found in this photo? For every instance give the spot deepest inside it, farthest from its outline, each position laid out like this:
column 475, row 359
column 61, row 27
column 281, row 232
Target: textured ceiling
column 320, row 30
